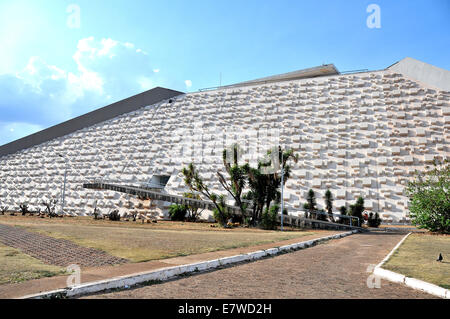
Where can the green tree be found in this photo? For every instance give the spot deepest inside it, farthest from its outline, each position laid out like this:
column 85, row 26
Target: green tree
column 193, row 211
column 374, row 220
column 329, row 204
column 177, row 212
column 269, row 217
column 357, row 209
column 193, row 180
column 265, row 184
column 342, row 211
column 429, row 195
column 238, row 177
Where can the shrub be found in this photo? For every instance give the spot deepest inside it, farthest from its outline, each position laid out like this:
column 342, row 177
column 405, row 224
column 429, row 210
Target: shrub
column 221, row 217
column 193, row 211
column 269, row 217
column 24, row 209
column 177, row 212
column 97, row 213
column 50, row 207
column 374, row 220
column 357, row 209
column 429, row 198
column 3, row 210
column 342, row 211
column 321, row 215
column 329, row 204
column 114, row 215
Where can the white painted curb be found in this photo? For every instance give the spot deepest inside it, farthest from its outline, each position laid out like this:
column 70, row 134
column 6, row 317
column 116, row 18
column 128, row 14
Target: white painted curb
column 410, row 282
column 172, row 272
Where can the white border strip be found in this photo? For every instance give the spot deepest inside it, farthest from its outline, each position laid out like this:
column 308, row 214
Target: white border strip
column 408, row 281
column 171, row 272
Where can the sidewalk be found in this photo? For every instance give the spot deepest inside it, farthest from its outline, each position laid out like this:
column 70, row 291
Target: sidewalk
column 30, row 287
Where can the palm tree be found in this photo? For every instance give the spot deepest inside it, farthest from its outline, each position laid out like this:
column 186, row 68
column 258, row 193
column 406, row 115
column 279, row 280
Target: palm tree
column 264, row 188
column 195, row 183
column 237, row 174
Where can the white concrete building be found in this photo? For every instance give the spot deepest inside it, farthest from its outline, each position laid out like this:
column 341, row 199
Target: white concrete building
column 360, row 134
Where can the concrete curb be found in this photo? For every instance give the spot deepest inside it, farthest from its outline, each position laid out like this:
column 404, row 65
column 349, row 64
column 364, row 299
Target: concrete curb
column 408, row 281
column 172, row 272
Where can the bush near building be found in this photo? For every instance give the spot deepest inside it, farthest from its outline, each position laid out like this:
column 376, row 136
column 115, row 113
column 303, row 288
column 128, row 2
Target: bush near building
column 429, row 195
column 269, row 217
column 114, row 215
column 357, row 209
column 177, row 212
column 374, row 220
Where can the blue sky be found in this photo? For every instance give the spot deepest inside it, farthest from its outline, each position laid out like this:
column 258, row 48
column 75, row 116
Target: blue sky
column 53, row 69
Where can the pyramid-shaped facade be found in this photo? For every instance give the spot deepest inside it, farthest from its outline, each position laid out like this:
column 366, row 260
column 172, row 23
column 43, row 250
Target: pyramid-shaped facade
column 359, row 134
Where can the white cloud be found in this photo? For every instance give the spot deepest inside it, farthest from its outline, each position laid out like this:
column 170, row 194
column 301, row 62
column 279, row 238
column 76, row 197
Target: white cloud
column 188, row 83
column 15, row 130
column 146, row 83
column 42, row 94
column 156, row 70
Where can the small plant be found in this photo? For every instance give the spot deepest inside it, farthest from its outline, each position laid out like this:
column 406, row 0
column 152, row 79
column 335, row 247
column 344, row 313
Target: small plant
column 221, row 217
column 50, row 207
column 114, row 215
column 24, row 209
column 3, row 210
column 193, row 212
column 342, row 211
column 177, row 212
column 269, row 217
column 374, row 220
column 97, row 214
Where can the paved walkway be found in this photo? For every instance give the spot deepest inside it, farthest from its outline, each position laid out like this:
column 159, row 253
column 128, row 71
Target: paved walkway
column 335, row 269
column 59, row 252
column 100, row 273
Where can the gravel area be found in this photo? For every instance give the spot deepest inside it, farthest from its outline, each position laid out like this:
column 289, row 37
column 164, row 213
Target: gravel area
column 54, row 251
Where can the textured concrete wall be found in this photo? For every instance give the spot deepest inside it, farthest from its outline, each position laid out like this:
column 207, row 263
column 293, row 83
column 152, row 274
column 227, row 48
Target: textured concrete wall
column 105, row 113
column 423, row 72
column 357, row 134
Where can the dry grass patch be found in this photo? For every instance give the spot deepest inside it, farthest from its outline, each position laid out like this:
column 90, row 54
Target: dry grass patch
column 16, row 266
column 137, row 242
column 19, row 220
column 416, row 258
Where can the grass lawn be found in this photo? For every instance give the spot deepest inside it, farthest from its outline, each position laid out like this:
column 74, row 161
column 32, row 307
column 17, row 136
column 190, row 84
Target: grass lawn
column 17, row 267
column 416, row 258
column 142, row 242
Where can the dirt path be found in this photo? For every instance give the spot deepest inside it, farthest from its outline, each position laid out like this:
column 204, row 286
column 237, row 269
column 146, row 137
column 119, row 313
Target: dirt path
column 336, row 269
column 54, row 251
